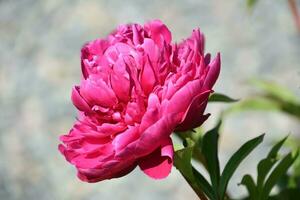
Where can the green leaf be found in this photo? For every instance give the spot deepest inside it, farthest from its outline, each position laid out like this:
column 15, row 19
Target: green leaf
column 257, row 103
column 266, row 164
column 235, row 161
column 277, row 173
column 275, row 90
column 210, row 153
column 250, row 185
column 285, row 194
column 251, row 3
column 204, row 185
column 272, row 97
column 217, row 97
column 182, row 161
column 274, row 151
column 277, row 176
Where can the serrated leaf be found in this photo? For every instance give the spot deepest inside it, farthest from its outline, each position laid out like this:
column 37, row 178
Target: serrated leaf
column 235, row 161
column 182, row 161
column 278, row 172
column 265, row 165
column 217, row 97
column 210, row 153
column 250, row 185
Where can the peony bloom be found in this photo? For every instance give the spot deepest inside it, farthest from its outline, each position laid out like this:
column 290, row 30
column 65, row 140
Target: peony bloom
column 137, row 88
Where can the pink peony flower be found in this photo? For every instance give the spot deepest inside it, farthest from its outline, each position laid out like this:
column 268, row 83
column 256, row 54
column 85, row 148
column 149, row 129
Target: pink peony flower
column 137, row 88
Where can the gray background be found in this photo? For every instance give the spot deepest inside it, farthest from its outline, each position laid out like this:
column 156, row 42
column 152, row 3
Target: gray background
column 40, row 43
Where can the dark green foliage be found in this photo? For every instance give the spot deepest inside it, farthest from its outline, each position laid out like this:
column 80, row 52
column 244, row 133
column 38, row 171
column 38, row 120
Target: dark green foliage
column 216, row 190
column 268, row 173
column 217, row 97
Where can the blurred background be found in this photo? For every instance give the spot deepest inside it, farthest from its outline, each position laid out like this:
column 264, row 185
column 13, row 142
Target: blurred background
column 40, row 45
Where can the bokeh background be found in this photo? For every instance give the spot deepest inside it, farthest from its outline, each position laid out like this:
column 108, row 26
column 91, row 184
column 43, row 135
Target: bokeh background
column 40, row 43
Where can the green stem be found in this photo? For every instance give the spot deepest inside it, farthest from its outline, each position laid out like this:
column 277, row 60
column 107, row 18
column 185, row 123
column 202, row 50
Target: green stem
column 193, row 185
column 198, row 156
column 199, row 192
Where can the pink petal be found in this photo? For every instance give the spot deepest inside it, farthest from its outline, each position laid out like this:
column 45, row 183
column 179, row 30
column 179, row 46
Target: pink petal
column 213, row 73
column 110, row 129
column 159, row 163
column 151, row 138
column 148, row 79
column 96, row 47
column 193, row 116
column 152, row 114
column 121, row 86
column 115, row 170
column 97, row 93
column 137, row 34
column 184, row 95
column 124, row 138
column 151, row 49
column 159, row 32
column 78, row 101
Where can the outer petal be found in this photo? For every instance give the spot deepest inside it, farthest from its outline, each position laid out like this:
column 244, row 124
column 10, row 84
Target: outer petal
column 151, row 138
column 183, row 97
column 96, row 47
column 78, row 101
column 115, row 170
column 159, row 32
column 193, row 116
column 125, row 138
column 158, row 164
column 98, row 93
column 152, row 114
column 213, row 73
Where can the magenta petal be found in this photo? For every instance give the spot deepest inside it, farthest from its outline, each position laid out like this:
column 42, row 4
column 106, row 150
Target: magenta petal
column 115, row 170
column 159, row 32
column 152, row 114
column 121, row 86
column 78, row 101
column 123, row 139
column 137, row 35
column 98, row 93
column 158, row 164
column 184, row 95
column 148, row 79
column 151, row 49
column 213, row 73
column 193, row 116
column 96, row 47
column 151, row 138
